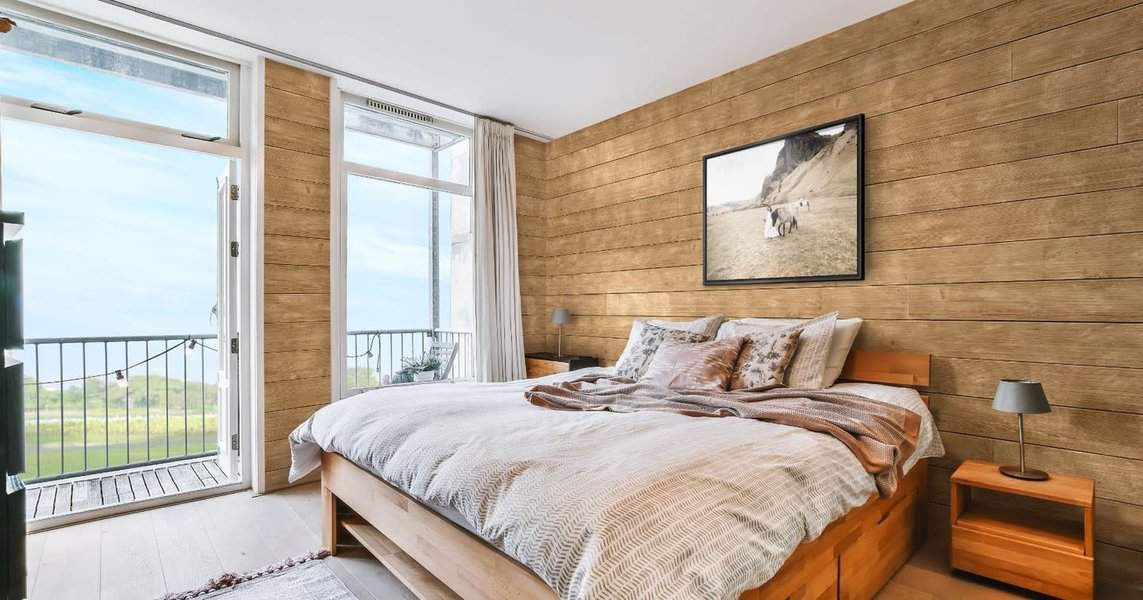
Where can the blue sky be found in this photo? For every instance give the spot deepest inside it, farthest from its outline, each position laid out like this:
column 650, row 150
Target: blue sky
column 121, row 236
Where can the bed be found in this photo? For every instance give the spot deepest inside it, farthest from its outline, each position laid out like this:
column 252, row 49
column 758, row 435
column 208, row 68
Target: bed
column 408, row 505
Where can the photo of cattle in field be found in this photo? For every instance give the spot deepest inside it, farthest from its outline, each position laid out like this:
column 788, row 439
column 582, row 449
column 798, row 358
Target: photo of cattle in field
column 786, row 209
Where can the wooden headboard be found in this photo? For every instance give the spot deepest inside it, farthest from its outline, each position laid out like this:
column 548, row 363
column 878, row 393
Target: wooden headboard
column 891, row 368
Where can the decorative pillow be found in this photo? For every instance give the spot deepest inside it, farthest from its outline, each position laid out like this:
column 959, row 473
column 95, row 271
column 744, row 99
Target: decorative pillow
column 701, row 366
column 764, row 359
column 844, row 334
column 632, row 364
column 807, row 369
column 707, row 326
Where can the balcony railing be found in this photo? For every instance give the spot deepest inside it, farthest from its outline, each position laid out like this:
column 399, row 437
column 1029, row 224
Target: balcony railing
column 96, row 404
column 373, row 357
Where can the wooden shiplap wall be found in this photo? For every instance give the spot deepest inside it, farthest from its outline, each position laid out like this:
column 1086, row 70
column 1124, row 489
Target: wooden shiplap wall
column 1004, row 222
column 296, row 257
column 531, row 233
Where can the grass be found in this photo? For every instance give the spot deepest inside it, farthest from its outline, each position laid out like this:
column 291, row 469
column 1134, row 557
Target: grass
column 825, row 243
column 107, row 442
column 81, row 428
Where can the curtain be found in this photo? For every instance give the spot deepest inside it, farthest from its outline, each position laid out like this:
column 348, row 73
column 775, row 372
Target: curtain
column 499, row 328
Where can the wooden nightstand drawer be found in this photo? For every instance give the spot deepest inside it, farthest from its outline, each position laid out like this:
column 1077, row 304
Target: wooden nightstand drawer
column 540, row 364
column 1033, row 566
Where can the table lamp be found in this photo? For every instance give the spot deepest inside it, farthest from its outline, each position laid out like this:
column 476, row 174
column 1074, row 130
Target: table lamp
column 1021, row 396
column 560, row 317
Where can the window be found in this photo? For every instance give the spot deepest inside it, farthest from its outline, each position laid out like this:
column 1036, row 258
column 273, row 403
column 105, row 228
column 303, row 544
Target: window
column 72, row 68
column 408, row 245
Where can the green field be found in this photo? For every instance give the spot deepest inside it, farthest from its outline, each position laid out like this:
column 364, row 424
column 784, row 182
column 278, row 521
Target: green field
column 100, row 426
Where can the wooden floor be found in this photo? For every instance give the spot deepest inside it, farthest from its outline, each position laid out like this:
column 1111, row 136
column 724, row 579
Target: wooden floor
column 66, row 496
column 176, row 548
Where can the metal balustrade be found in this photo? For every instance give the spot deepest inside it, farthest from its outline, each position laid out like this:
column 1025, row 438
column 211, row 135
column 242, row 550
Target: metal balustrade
column 94, row 404
column 373, row 357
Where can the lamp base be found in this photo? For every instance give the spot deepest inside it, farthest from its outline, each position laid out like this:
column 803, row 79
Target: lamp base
column 1029, row 474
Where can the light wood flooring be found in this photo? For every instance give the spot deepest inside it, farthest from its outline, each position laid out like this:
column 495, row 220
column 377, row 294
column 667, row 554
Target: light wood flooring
column 176, row 548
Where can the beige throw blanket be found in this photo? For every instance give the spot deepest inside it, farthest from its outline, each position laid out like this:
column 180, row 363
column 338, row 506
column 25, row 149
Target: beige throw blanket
column 881, row 435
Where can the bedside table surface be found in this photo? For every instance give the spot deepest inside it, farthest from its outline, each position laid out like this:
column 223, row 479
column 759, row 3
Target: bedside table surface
column 556, row 357
column 1066, row 489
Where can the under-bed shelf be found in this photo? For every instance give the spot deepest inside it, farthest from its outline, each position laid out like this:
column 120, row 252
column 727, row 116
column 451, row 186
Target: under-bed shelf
column 419, row 581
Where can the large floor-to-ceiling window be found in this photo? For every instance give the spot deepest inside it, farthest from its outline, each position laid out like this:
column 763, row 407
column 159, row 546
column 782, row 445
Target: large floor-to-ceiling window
column 122, row 154
column 407, row 247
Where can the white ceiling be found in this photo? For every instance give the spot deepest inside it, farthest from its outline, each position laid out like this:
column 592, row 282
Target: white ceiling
column 550, row 66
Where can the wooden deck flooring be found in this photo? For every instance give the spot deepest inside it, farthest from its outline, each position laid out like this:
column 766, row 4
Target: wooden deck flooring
column 67, row 496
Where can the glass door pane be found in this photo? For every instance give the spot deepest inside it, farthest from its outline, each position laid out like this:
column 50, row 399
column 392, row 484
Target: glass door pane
column 120, row 279
column 408, row 279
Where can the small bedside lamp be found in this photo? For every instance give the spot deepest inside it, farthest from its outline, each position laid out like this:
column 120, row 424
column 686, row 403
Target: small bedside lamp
column 1021, row 396
column 560, row 317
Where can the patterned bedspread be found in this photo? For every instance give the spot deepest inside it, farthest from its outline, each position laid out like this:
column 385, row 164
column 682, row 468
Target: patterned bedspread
column 605, row 505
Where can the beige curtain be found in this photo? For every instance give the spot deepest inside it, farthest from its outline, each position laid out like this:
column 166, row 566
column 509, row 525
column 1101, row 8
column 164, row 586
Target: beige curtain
column 499, row 328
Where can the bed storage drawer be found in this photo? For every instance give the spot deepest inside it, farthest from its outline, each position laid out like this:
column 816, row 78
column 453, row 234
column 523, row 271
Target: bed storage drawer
column 888, row 536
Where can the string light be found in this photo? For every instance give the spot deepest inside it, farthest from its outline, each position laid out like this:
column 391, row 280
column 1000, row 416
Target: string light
column 119, row 372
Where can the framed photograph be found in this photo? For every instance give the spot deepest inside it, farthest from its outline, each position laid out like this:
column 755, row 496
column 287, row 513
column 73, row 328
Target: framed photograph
column 790, row 208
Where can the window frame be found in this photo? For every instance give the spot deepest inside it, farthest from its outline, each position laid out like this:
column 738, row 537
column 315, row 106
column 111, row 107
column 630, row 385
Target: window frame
column 339, row 101
column 243, row 112
column 95, row 122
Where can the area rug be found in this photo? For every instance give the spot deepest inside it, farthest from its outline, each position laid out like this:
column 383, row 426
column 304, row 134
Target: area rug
column 303, row 578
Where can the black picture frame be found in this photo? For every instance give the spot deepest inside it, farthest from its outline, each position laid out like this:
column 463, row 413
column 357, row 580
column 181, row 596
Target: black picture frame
column 859, row 120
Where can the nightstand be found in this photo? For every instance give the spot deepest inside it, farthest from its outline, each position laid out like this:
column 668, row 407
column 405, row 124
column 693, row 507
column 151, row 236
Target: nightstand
column 1041, row 553
column 539, row 364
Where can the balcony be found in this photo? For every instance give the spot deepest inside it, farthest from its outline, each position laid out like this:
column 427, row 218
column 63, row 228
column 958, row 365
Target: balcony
column 110, row 421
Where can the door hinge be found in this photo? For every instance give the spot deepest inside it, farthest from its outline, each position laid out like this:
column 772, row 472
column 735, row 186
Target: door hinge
column 234, row 249
column 234, row 345
column 234, row 192
column 234, row 442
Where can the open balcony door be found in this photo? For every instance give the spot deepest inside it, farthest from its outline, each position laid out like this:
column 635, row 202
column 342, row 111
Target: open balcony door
column 229, row 430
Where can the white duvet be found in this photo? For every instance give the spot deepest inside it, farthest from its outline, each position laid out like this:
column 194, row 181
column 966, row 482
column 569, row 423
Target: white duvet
column 603, row 505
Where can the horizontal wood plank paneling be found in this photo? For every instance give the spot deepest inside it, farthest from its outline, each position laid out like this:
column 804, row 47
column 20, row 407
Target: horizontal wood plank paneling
column 1131, row 119
column 291, row 106
column 295, row 279
column 297, row 194
column 1004, row 229
column 296, row 255
column 299, row 81
column 283, row 337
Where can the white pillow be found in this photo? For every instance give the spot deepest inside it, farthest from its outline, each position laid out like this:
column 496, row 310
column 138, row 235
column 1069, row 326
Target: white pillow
column 707, row 326
column 844, row 334
column 808, row 369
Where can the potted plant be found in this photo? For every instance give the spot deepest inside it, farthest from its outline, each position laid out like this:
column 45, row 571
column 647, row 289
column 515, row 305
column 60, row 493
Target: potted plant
column 419, row 369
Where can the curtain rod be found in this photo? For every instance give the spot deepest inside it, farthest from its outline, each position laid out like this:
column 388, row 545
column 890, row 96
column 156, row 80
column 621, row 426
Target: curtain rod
column 308, row 63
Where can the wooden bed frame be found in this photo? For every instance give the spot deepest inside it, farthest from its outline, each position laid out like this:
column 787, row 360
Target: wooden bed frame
column 435, row 558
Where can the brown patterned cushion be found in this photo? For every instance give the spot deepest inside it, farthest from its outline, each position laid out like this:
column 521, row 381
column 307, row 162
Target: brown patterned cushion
column 701, row 366
column 643, row 346
column 807, row 369
column 764, row 359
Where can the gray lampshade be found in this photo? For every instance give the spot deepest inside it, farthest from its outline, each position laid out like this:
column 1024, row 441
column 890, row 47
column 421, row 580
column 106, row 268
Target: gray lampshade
column 561, row 316
column 1020, row 396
